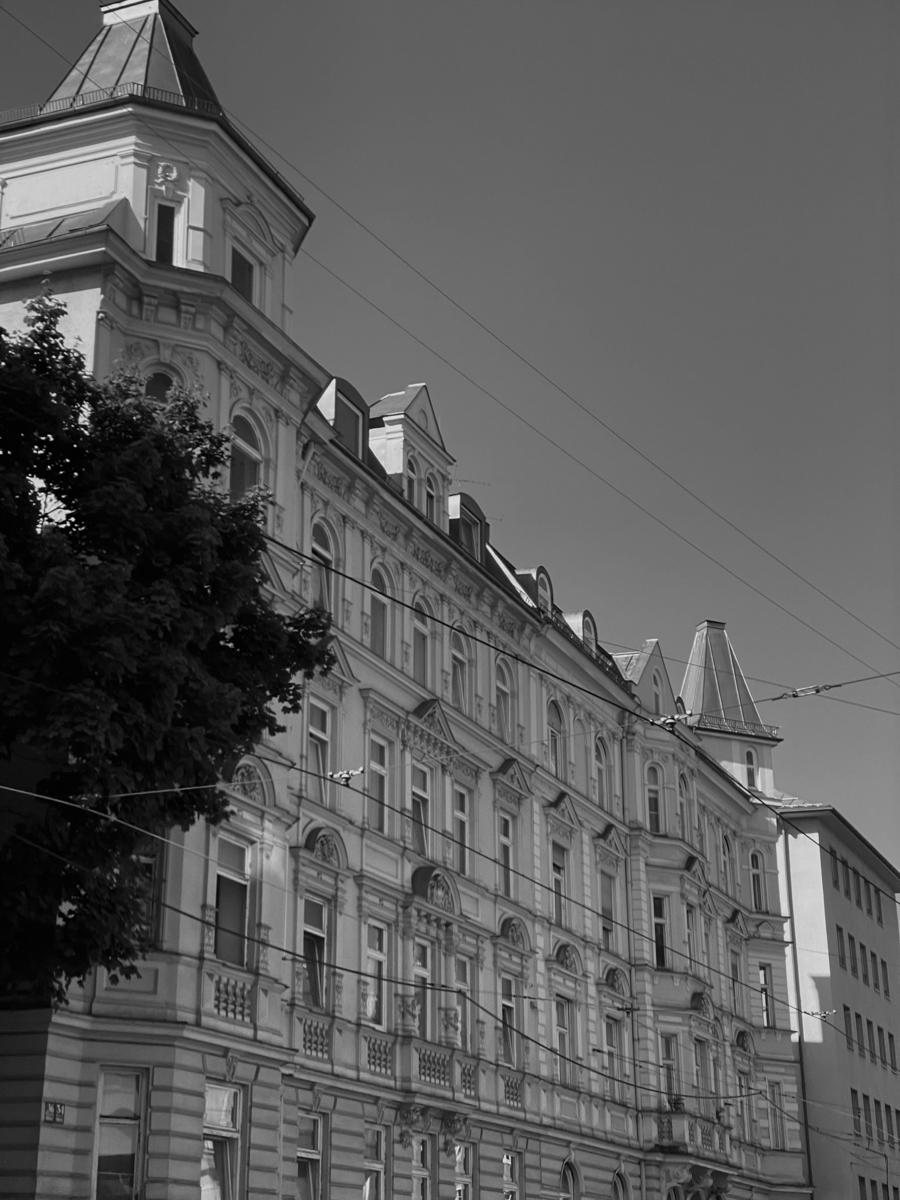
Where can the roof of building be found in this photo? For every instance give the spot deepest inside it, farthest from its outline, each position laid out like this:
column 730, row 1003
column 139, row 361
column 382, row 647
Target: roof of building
column 145, row 44
column 111, row 214
column 633, row 662
column 799, row 810
column 714, row 687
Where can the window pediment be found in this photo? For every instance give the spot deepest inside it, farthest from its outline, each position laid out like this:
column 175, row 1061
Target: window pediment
column 428, row 731
column 562, row 810
column 610, row 847
column 736, row 926
column 511, row 784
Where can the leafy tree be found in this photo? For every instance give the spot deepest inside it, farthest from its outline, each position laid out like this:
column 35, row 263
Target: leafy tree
column 139, row 652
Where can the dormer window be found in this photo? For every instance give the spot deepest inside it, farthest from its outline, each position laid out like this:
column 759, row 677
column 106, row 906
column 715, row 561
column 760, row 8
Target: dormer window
column 468, row 535
column 750, row 760
column 545, row 594
column 467, row 525
column 348, row 424
column 430, row 499
column 657, row 693
column 412, row 480
column 242, row 272
column 589, row 635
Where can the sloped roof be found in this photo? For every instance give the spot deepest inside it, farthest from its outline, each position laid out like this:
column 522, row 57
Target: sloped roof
column 714, row 687
column 112, row 214
column 632, row 663
column 143, row 44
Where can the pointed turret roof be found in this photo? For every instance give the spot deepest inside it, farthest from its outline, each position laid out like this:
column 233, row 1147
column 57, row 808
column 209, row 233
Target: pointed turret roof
column 714, row 687
column 145, row 45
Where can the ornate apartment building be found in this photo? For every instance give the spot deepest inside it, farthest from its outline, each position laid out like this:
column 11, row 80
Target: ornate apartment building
column 494, row 916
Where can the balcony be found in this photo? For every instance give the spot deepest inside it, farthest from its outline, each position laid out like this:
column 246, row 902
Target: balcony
column 688, row 1133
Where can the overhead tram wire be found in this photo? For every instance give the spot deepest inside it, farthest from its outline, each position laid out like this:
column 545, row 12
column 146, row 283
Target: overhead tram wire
column 447, row 989
column 570, row 901
column 557, row 387
column 568, row 454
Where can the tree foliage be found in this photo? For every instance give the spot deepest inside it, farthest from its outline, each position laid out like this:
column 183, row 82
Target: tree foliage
column 139, row 652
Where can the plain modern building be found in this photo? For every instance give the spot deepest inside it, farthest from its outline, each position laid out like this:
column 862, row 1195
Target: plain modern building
column 846, row 953
column 536, row 948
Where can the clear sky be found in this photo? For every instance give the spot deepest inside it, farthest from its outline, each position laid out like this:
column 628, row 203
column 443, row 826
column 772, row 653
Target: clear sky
column 684, row 214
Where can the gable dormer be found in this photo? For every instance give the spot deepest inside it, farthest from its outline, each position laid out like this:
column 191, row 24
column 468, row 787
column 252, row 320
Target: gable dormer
column 405, row 437
column 347, row 413
column 468, row 525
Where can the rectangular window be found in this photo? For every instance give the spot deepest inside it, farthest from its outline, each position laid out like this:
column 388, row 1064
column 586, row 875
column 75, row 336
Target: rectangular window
column 119, row 1134
column 879, row 1122
column 857, row 888
column 563, row 1014
column 165, row 233
column 461, row 829
column 701, row 1072
column 776, row 1116
column 669, row 1064
column 558, row 876
column 690, row 922
column 377, row 785
column 463, row 1170
column 879, row 915
column 765, row 996
column 511, row 1175
column 889, row 1122
column 422, row 987
column 421, row 1168
column 376, row 970
column 420, row 655
column 613, row 1035
column 319, row 754
column 348, row 424
column 232, row 887
column 854, row 1105
column 835, row 869
column 743, row 1129
column 421, row 794
column 375, row 1163
column 378, row 639
column 860, row 1041
column 841, row 949
column 506, row 862
column 867, row 1114
column 870, row 1032
column 736, row 990
column 892, row 1050
column 241, row 274
column 607, row 911
column 464, row 1002
column 854, row 966
column 660, row 933
column 863, row 1194
column 885, row 984
column 314, row 951
column 654, row 807
column 150, row 859
column 221, row 1143
column 864, row 963
column 848, row 1027
column 309, row 1157
column 846, row 869
column 882, row 1048
column 508, row 1021
column 868, row 890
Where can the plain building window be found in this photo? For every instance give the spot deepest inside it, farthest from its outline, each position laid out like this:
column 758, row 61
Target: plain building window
column 854, row 965
column 221, row 1143
column 563, row 1014
column 660, row 933
column 461, row 806
column 848, row 1027
column 505, row 830
column 376, row 970
column 654, row 800
column 422, row 987
column 420, row 644
column 508, row 1021
column 835, row 869
column 601, row 773
column 757, row 882
column 322, row 569
column 378, row 634
column 510, row 1175
column 232, row 887
column 750, row 760
column 885, row 984
column 165, row 234
column 314, row 951
column 309, row 1157
column 464, row 1002
column 776, row 1116
column 421, row 795
column 556, row 739
column 504, row 703
column 874, row 960
column 892, row 1051
column 870, row 1033
column 766, row 998
column 669, row 1065
column 246, row 458
column 864, row 963
column 375, row 1163
column 119, row 1134
column 558, row 877
column 607, row 911
column 854, row 1106
column 882, row 1047
column 463, row 1170
column 868, row 890
column 845, row 866
column 613, row 1035
column 841, row 949
column 867, row 1114
column 377, row 785
column 857, row 888
column 319, row 752
column 860, row 1040
column 879, row 914
column 242, row 273
column 412, row 481
column 459, row 672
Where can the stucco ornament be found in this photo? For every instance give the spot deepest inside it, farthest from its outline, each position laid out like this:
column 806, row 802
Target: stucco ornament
column 439, row 893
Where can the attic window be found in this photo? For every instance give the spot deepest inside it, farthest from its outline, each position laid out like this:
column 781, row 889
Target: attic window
column 241, row 274
column 469, row 534
column 589, row 635
column 348, row 424
column 545, row 596
column 165, row 233
column 657, row 693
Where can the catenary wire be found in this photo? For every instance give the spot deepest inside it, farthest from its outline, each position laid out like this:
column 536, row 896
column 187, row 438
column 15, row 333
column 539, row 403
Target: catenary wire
column 540, row 433
column 557, row 387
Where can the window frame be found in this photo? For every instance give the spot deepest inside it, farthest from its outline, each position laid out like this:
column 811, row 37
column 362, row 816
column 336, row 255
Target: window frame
column 231, row 874
column 420, row 808
column 503, row 692
column 464, row 1176
column 375, row 1166
column 506, row 857
column 422, row 1166
column 411, row 481
column 654, row 794
column 421, row 644
column 137, row 1122
column 423, row 979
column 758, row 897
column 462, row 812
column 245, row 455
column 751, row 767
column 379, row 616
column 601, row 774
column 559, row 879
column 659, row 909
column 460, row 672
column 239, row 254
column 319, row 752
column 775, row 1101
column 556, row 740
column 313, row 1157
column 227, row 1137
column 564, row 1036
column 510, row 1019
column 378, row 785
column 376, row 976
column 766, row 996
column 316, row 952
column 608, row 884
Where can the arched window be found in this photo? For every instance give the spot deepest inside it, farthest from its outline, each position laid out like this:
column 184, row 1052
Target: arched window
column 545, row 597
column 757, row 882
column 601, row 772
column 654, row 800
column 379, row 636
column 657, row 693
column 750, row 760
column 430, row 499
column 504, row 702
column 412, row 481
column 459, row 672
column 618, row 1188
column 684, row 809
column 589, row 635
column 568, row 1184
column 323, row 562
column 421, row 643
column 727, row 864
column 157, row 385
column 556, row 739
column 246, row 458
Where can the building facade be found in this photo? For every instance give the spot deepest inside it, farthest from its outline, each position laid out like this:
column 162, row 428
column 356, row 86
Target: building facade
column 841, row 892
column 493, row 916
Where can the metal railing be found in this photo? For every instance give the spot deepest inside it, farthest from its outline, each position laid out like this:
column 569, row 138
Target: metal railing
column 122, row 91
column 728, row 725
